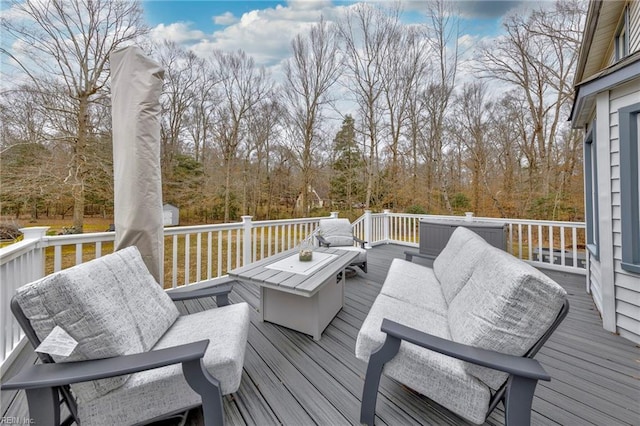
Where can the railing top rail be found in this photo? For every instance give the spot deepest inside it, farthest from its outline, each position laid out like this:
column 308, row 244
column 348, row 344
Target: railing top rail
column 177, row 230
column 531, row 221
column 16, row 250
column 486, row 219
column 193, row 229
column 91, row 237
column 288, row 221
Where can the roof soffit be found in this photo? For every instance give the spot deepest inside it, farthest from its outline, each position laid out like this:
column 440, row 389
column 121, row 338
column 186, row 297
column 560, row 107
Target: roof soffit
column 602, row 22
column 618, row 73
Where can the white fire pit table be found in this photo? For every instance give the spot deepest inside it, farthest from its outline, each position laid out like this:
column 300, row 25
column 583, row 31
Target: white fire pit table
column 303, row 296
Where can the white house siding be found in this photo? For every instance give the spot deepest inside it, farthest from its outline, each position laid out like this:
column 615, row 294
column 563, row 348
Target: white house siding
column 634, row 34
column 601, row 277
column 594, row 275
column 634, row 23
column 626, row 284
column 595, row 286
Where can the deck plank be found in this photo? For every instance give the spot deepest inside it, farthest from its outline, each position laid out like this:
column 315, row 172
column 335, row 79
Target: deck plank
column 290, row 379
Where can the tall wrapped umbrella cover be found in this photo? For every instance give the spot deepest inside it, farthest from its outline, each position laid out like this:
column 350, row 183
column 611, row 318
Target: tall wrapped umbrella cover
column 136, row 85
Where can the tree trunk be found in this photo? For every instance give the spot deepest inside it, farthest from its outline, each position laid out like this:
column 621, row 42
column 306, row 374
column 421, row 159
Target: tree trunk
column 78, row 164
column 227, row 185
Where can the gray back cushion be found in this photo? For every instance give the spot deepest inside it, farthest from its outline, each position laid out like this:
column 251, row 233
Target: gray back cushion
column 456, row 262
column 111, row 306
column 338, row 232
column 506, row 306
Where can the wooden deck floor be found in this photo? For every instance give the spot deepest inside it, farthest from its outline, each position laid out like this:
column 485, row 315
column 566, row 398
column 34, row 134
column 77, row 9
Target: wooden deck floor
column 290, row 379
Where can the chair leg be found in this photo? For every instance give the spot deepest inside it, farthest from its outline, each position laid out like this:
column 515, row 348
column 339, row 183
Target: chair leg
column 378, row 359
column 44, row 406
column 201, row 381
column 518, row 398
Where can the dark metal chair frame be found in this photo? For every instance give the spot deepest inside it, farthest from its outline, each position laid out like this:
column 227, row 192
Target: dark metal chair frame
column 516, row 393
column 47, row 383
column 324, row 243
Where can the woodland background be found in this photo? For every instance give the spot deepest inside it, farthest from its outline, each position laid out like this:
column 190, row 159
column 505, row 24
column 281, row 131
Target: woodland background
column 368, row 113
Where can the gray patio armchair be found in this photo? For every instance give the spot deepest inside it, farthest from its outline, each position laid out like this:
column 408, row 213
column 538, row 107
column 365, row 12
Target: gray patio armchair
column 338, row 233
column 137, row 360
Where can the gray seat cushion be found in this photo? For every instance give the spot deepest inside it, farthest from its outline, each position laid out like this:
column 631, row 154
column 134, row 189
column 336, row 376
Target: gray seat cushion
column 439, row 377
column 456, row 262
column 506, row 306
column 154, row 393
column 337, row 232
column 415, row 284
column 111, row 306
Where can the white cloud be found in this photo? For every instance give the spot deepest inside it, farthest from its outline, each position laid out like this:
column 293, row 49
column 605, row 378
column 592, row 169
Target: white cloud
column 308, row 4
column 467, row 41
column 266, row 34
column 179, row 32
column 226, row 18
column 487, row 8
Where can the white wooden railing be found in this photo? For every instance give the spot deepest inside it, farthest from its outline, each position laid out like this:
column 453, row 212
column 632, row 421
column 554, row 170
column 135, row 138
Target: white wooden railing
column 204, row 252
column 548, row 244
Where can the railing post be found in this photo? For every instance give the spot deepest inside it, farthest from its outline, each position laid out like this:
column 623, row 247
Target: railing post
column 367, row 228
column 386, row 225
column 246, row 240
column 333, row 215
column 36, row 233
column 26, row 265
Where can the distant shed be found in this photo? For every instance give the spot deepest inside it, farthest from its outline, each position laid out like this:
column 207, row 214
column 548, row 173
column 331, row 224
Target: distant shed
column 171, row 215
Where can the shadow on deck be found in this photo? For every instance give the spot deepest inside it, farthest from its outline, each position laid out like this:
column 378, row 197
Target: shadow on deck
column 290, row 379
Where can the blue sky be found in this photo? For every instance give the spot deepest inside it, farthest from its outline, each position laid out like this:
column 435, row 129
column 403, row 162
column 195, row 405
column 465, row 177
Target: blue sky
column 482, row 16
column 200, row 13
column 264, row 28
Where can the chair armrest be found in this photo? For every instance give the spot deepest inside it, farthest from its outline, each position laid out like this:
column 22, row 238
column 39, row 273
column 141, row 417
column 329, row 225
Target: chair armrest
column 515, row 365
column 359, row 241
column 220, row 291
column 322, row 241
column 64, row 373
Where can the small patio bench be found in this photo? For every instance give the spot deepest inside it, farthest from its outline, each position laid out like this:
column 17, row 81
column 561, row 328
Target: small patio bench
column 463, row 332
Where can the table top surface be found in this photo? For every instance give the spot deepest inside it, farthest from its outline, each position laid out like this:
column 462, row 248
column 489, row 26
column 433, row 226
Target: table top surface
column 261, row 274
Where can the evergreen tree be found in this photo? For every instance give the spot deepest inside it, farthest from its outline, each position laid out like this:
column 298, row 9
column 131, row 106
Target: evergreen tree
column 347, row 187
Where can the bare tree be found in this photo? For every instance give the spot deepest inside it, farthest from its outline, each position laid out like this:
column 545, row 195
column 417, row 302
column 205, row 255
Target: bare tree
column 443, row 31
column 72, row 40
column 178, row 95
column 402, row 70
column 310, row 73
column 25, row 149
column 415, row 134
column 200, row 118
column 506, row 132
column 364, row 33
column 538, row 56
column 243, row 86
column 265, row 125
column 471, row 128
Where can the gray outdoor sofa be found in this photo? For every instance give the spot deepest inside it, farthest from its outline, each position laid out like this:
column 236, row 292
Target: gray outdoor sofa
column 477, row 304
